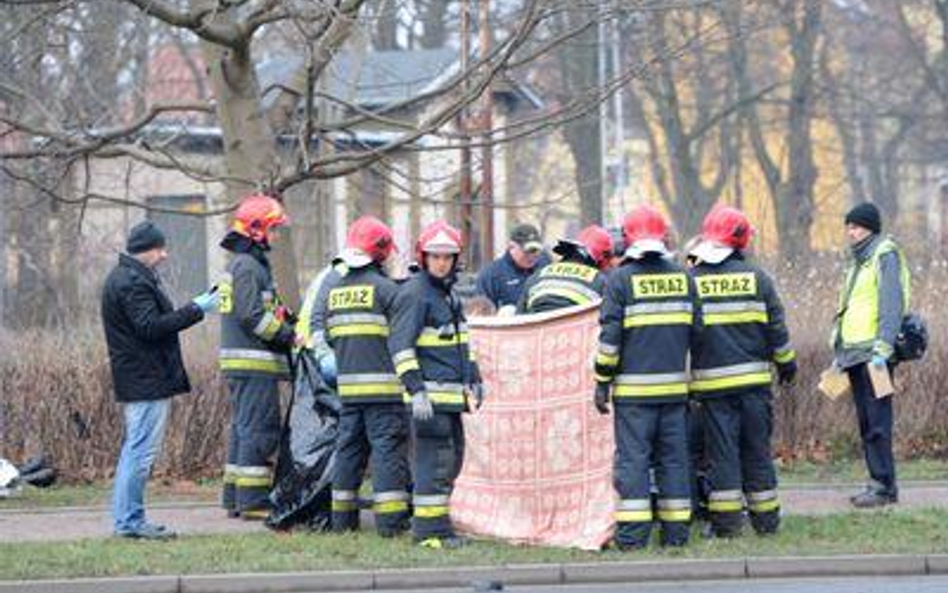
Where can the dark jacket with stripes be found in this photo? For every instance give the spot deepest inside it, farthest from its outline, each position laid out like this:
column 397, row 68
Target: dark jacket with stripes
column 357, row 329
column 744, row 329
column 255, row 337
column 649, row 321
column 430, row 342
column 561, row 284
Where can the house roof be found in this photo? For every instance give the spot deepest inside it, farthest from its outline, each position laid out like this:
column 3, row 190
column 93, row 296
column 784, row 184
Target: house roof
column 382, row 78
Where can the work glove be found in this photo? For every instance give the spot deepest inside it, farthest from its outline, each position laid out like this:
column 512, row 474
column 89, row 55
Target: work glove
column 327, row 368
column 421, row 408
column 786, row 372
column 207, row 301
column 879, row 360
column 601, row 399
column 476, row 392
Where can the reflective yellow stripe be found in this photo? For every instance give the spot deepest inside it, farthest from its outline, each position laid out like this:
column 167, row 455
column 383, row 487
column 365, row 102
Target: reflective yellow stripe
column 633, row 516
column 268, row 326
column 433, row 341
column 674, row 515
column 735, row 317
column 252, row 481
column 573, row 296
column 657, row 319
column 344, row 506
column 390, row 506
column 444, row 397
column 651, row 390
column 785, row 356
column 608, row 360
column 764, row 506
column 431, row 512
column 725, row 506
column 407, row 365
column 358, row 329
column 242, row 364
column 602, row 378
column 370, row 389
column 743, row 380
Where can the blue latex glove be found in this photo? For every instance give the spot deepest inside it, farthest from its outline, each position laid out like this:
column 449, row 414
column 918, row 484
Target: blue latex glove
column 879, row 360
column 207, row 301
column 327, row 368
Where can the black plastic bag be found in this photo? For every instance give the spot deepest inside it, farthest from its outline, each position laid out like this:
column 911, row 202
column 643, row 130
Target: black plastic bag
column 301, row 495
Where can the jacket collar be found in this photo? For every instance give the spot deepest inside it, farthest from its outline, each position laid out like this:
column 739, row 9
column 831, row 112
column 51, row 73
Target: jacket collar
column 128, row 261
column 864, row 249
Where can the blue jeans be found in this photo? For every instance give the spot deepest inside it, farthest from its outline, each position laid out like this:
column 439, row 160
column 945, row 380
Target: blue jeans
column 144, row 432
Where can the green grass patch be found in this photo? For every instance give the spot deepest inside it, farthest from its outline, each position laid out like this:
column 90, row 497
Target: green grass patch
column 100, row 493
column 854, row 470
column 889, row 531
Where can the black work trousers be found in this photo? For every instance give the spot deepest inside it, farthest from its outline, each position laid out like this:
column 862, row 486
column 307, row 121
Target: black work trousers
column 376, row 434
column 875, row 428
column 252, row 442
column 438, row 456
column 739, row 427
column 649, row 433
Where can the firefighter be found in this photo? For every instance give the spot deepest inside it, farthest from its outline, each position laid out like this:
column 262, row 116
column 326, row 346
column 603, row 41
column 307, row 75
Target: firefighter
column 312, row 322
column 648, row 324
column 373, row 424
column 874, row 298
column 578, row 278
column 431, row 351
column 256, row 337
column 744, row 334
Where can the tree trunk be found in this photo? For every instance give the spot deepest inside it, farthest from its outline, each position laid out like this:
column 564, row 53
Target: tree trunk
column 249, row 144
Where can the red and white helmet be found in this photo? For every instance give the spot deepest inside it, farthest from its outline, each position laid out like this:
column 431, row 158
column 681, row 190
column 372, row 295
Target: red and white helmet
column 256, row 215
column 724, row 230
column 598, row 244
column 646, row 231
column 369, row 240
column 438, row 237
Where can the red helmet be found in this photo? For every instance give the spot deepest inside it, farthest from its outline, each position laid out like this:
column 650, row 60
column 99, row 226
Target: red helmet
column 256, row 215
column 438, row 237
column 643, row 223
column 598, row 244
column 370, row 239
column 727, row 226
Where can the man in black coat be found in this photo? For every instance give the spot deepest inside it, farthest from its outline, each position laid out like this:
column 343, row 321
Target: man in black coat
column 141, row 330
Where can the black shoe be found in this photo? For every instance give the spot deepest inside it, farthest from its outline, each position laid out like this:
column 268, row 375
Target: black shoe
column 872, row 498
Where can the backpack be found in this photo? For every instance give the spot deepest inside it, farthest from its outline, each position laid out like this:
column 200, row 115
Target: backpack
column 912, row 340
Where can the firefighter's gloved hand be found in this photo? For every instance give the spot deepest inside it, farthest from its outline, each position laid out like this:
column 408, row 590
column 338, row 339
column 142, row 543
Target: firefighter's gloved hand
column 207, row 301
column 601, row 399
column 327, row 368
column 476, row 392
column 421, row 408
column 787, row 372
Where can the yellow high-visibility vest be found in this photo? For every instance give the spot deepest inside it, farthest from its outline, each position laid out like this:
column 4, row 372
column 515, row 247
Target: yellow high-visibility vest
column 859, row 325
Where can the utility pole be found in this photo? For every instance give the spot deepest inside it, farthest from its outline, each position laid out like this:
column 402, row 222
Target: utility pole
column 466, row 210
column 487, row 152
column 603, row 116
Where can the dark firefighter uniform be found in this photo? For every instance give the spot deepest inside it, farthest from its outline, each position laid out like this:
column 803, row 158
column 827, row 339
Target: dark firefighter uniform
column 743, row 334
column 255, row 342
column 648, row 322
column 374, row 423
column 559, row 285
column 430, row 346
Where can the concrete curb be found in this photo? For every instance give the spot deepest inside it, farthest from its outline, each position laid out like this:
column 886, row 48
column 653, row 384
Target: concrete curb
column 532, row 574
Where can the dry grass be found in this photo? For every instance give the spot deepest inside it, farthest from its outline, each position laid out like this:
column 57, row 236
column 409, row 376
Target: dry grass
column 56, row 390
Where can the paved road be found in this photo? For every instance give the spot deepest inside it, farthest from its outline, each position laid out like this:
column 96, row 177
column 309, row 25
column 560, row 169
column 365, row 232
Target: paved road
column 933, row 584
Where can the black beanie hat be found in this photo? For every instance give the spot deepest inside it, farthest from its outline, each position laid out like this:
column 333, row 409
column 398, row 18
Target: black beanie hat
column 143, row 237
column 865, row 215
